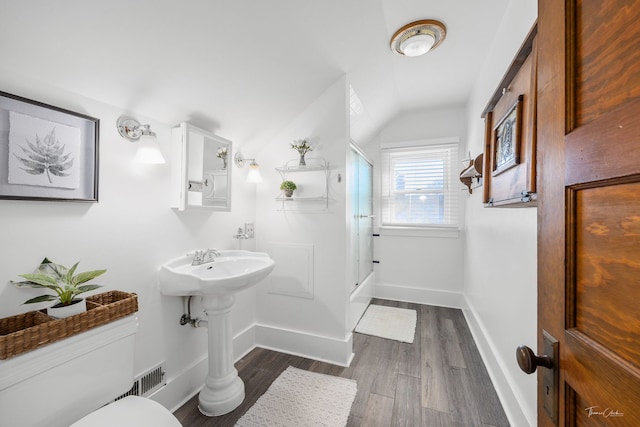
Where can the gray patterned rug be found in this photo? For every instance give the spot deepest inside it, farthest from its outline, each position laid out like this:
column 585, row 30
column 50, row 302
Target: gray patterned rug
column 299, row 398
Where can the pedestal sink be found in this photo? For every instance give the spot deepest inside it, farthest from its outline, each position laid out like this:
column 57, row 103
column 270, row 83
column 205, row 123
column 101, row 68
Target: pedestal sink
column 217, row 282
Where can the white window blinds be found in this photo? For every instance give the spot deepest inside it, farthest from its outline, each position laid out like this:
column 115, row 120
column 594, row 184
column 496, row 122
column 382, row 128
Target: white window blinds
column 419, row 186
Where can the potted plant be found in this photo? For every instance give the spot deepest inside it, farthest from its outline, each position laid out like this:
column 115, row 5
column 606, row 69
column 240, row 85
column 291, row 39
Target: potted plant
column 302, row 147
column 64, row 282
column 288, row 187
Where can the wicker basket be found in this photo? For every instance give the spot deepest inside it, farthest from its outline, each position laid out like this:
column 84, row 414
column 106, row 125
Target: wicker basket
column 28, row 331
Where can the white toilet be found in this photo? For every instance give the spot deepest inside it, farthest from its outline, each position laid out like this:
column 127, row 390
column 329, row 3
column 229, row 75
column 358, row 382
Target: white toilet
column 69, row 382
column 132, row 411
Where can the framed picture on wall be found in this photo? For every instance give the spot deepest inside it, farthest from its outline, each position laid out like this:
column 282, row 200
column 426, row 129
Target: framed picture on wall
column 46, row 152
column 506, row 143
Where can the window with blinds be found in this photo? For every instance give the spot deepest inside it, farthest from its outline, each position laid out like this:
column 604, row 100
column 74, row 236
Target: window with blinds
column 419, row 186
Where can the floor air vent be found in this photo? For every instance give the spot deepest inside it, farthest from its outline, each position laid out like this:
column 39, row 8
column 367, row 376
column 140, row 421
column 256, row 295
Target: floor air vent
column 147, row 383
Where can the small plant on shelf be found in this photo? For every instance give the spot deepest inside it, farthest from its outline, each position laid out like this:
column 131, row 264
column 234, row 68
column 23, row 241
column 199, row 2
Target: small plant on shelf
column 288, row 187
column 62, row 280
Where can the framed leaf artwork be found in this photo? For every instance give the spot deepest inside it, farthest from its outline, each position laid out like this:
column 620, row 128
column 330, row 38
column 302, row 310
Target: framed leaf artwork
column 46, row 152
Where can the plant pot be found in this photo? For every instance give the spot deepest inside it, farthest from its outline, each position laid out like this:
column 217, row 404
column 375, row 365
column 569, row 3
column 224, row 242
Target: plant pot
column 288, row 193
column 59, row 311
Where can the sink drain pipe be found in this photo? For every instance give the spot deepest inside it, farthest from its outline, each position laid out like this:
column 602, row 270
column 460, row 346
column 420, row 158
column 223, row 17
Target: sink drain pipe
column 186, row 318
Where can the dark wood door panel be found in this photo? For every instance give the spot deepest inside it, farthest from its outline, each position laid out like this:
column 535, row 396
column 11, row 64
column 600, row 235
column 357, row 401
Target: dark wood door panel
column 607, row 56
column 589, row 415
column 606, row 148
column 599, row 380
column 606, row 276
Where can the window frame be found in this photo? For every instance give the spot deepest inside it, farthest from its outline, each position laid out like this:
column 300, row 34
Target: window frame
column 450, row 189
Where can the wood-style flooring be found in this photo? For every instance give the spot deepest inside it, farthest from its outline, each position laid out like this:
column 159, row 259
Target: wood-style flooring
column 439, row 380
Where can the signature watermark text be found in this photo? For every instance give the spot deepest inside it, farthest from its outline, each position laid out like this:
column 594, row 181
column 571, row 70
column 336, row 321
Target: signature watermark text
column 606, row 413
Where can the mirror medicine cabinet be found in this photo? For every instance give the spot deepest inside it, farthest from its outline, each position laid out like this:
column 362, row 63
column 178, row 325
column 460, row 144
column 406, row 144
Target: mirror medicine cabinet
column 200, row 169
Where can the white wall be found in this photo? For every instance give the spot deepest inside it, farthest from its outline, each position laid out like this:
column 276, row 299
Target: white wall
column 130, row 232
column 418, row 266
column 500, row 284
column 314, row 323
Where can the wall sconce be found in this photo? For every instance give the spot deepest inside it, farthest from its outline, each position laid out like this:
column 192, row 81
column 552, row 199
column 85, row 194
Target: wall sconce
column 148, row 148
column 254, row 170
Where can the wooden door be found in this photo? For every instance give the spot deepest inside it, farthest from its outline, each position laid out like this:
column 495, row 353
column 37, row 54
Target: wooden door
column 589, row 208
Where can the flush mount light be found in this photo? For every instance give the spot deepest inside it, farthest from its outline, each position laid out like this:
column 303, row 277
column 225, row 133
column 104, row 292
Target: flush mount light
column 148, row 148
column 418, row 38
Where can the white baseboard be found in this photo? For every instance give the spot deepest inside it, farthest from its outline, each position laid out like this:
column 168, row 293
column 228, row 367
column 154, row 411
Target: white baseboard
column 418, row 295
column 502, row 380
column 316, row 347
column 244, row 342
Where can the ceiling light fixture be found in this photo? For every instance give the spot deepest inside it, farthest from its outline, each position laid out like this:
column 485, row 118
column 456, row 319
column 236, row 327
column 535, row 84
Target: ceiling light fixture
column 254, row 169
column 148, row 148
column 418, row 38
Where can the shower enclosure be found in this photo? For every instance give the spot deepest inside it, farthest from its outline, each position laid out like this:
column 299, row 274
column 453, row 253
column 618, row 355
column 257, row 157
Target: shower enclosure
column 360, row 190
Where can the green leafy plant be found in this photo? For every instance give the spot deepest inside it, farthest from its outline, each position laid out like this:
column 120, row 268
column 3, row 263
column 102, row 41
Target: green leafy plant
column 60, row 279
column 288, row 185
column 46, row 156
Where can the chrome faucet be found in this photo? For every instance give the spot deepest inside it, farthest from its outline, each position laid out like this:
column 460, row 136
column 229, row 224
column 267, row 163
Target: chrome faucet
column 203, row 257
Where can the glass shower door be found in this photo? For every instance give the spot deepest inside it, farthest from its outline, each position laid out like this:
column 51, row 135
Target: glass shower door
column 362, row 217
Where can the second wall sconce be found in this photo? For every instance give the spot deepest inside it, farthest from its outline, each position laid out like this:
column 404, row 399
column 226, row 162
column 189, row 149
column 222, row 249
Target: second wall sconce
column 254, row 169
column 148, row 148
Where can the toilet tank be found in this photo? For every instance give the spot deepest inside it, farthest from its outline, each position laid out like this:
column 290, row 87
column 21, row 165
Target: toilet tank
column 60, row 383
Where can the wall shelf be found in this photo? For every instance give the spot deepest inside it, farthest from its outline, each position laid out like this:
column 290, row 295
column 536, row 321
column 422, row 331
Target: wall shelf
column 301, row 199
column 296, row 168
column 313, row 185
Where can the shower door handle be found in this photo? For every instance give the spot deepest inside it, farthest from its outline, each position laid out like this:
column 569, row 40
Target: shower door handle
column 366, row 216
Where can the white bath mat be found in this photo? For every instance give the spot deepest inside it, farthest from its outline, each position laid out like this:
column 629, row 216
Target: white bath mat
column 388, row 322
column 299, row 398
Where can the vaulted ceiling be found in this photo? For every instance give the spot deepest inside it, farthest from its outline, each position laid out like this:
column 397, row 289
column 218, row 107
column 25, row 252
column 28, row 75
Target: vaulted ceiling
column 245, row 68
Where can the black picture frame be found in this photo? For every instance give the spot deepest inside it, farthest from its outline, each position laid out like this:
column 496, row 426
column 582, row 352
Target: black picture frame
column 47, row 153
column 506, row 141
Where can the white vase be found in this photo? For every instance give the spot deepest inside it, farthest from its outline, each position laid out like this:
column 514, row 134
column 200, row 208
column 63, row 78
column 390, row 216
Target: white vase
column 76, row 307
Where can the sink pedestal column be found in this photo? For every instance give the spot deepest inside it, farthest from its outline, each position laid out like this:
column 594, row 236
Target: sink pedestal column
column 223, row 389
